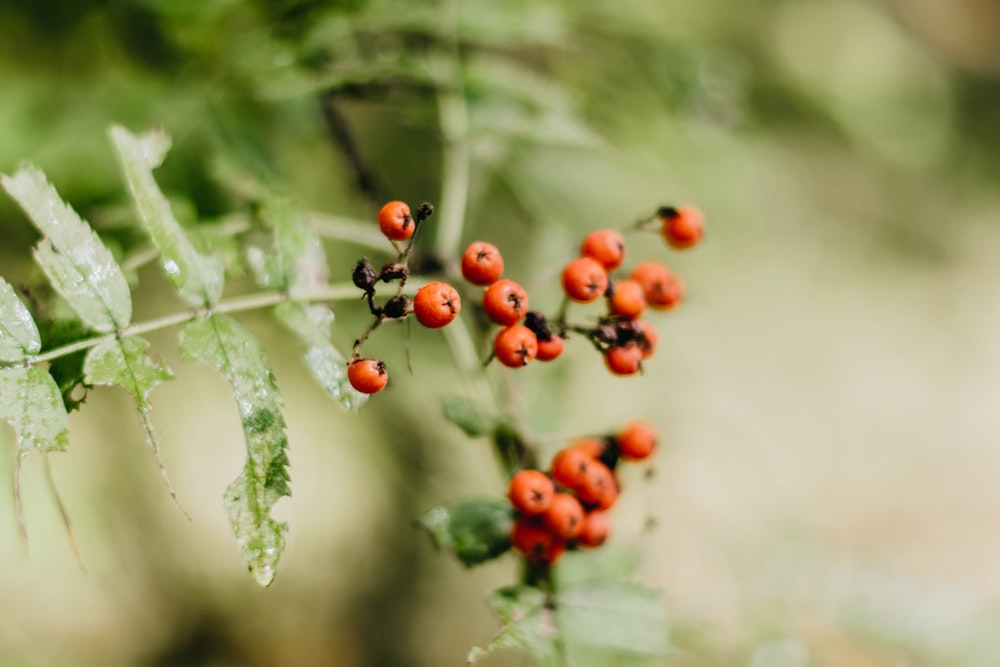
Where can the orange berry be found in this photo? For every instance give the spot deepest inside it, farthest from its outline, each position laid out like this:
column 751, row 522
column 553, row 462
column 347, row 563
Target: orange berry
column 395, row 221
column 564, row 516
column 683, row 227
column 505, row 302
column 598, row 487
column 592, row 447
column 551, row 348
column 482, row 263
column 607, row 246
column 647, row 337
column 367, row 375
column 628, row 299
column 570, row 465
column 530, row 491
column 637, row 440
column 661, row 287
column 584, row 280
column 515, row 346
column 530, row 536
column 595, row 530
column 624, row 359
column 436, row 304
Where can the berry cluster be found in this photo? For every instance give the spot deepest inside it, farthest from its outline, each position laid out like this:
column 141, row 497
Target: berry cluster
column 567, row 506
column 434, row 305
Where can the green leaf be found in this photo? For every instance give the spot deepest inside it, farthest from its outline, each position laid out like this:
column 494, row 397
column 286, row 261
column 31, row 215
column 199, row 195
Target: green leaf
column 18, row 333
column 198, row 278
column 123, row 362
column 528, row 623
column 78, row 265
column 475, row 530
column 67, row 370
column 606, row 615
column 311, row 324
column 613, row 614
column 223, row 342
column 297, row 260
column 469, row 416
column 31, row 403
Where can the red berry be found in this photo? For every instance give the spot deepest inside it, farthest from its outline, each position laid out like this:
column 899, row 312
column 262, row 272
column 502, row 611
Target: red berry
column 682, row 227
column 628, row 299
column 530, row 491
column 530, row 536
column 564, row 516
column 595, row 530
column 367, row 375
column 515, row 346
column 395, row 221
column 482, row 263
column 607, row 246
column 647, row 337
column 637, row 440
column 505, row 302
column 436, row 304
column 584, row 280
column 570, row 465
column 624, row 359
column 598, row 487
column 551, row 348
column 592, row 447
column 661, row 287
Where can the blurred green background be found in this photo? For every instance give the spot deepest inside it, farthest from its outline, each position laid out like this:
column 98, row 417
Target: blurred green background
column 826, row 491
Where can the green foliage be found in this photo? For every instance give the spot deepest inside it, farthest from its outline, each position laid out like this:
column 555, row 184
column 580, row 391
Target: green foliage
column 469, row 416
column 224, row 343
column 475, row 531
column 18, row 333
column 30, row 402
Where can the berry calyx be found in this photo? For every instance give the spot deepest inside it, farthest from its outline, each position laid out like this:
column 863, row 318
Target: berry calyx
column 584, row 280
column 628, row 299
column 607, row 246
column 395, row 221
column 368, row 376
column 436, row 304
column 515, row 346
column 505, row 302
column 595, row 530
column 661, row 288
column 624, row 359
column 530, row 492
column 530, row 536
column 564, row 516
column 682, row 227
column 482, row 263
column 637, row 440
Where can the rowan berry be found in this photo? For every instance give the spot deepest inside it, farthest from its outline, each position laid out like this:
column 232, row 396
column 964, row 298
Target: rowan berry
column 367, row 375
column 530, row 491
column 363, row 275
column 598, row 487
column 530, row 536
column 584, row 280
column 661, row 287
column 551, row 348
column 395, row 221
column 627, row 299
column 682, row 227
column 637, row 440
column 607, row 246
column 436, row 304
column 505, row 302
column 624, row 359
column 482, row 263
column 595, row 530
column 646, row 337
column 592, row 447
column 564, row 516
column 515, row 346
column 570, row 465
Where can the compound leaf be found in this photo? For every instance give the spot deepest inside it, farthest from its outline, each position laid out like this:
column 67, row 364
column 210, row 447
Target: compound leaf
column 124, row 362
column 198, row 278
column 223, row 342
column 311, row 324
column 30, row 402
column 528, row 623
column 72, row 256
column 18, row 333
column 475, row 530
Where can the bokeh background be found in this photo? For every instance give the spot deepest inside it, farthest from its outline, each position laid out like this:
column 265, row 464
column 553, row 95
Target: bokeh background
column 826, row 491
